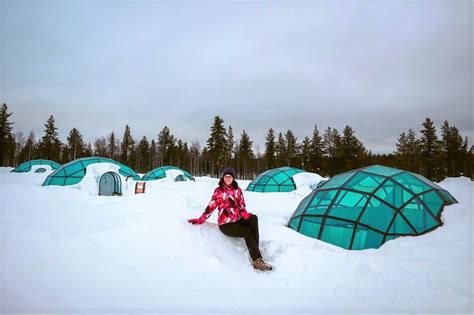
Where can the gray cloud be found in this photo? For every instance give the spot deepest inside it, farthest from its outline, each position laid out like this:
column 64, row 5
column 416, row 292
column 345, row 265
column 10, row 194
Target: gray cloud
column 379, row 66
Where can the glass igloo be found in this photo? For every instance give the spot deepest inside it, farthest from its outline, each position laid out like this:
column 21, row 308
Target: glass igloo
column 72, row 173
column 275, row 180
column 160, row 172
column 365, row 208
column 26, row 167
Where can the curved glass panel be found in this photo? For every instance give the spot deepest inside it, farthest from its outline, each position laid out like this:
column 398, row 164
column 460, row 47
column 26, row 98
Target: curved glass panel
column 364, row 208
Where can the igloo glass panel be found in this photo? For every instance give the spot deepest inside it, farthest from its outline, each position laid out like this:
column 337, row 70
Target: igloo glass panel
column 364, row 182
column 393, row 193
column 337, row 232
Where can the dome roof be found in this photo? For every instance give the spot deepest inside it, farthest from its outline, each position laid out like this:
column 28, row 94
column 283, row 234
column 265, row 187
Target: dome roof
column 366, row 207
column 275, row 180
column 160, row 172
column 26, row 167
column 72, row 173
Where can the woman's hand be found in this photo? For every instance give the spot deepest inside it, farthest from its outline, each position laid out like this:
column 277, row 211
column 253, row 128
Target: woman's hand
column 246, row 215
column 196, row 221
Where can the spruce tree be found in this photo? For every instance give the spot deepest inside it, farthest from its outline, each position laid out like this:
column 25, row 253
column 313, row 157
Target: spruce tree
column 230, row 146
column 305, row 153
column 143, row 155
column 291, row 149
column 153, row 155
column 165, row 146
column 331, row 147
column 112, row 146
column 269, row 154
column 245, row 155
column 50, row 145
column 408, row 152
column 217, row 145
column 127, row 148
column 186, row 156
column 316, row 158
column 352, row 151
column 453, row 150
column 280, row 151
column 429, row 145
column 179, row 156
column 75, row 145
column 6, row 136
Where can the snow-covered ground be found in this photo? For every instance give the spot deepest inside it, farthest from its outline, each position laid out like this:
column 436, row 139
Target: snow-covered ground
column 64, row 250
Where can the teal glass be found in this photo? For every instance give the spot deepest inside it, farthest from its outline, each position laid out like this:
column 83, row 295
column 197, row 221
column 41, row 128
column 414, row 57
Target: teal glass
column 275, row 180
column 160, row 172
column 374, row 204
column 26, row 166
column 73, row 172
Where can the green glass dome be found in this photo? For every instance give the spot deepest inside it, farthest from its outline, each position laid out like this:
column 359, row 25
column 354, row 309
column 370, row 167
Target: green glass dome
column 72, row 173
column 160, row 172
column 26, row 167
column 275, row 180
column 366, row 207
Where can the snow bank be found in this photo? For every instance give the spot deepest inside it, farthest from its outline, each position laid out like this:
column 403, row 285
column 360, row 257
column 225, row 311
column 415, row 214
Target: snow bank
column 307, row 179
column 64, row 250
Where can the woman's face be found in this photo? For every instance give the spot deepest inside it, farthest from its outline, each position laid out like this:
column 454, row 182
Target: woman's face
column 228, row 179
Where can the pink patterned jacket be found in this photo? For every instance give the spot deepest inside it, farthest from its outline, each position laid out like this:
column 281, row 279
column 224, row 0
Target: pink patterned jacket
column 229, row 201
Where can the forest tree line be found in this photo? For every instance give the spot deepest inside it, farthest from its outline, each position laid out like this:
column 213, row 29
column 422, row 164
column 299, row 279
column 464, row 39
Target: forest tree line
column 326, row 152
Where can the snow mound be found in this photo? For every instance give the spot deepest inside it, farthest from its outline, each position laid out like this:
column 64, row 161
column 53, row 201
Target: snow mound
column 307, row 179
column 90, row 182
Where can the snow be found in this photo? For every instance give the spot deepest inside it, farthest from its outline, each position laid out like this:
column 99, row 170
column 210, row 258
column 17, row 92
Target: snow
column 307, row 179
column 67, row 250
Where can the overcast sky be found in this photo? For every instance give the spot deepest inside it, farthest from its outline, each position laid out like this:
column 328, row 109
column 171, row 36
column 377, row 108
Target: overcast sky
column 378, row 66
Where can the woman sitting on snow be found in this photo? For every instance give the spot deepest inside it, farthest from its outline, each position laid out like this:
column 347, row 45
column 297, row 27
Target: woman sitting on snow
column 234, row 220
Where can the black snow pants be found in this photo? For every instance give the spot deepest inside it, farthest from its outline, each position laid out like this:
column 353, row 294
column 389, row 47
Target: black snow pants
column 248, row 229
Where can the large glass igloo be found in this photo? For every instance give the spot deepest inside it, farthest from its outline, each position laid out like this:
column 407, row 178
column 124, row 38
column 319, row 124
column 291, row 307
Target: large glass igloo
column 366, row 207
column 160, row 172
column 275, row 180
column 73, row 172
column 26, row 166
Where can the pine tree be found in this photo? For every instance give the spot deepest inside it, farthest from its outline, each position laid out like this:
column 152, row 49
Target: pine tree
column 165, row 146
column 75, row 145
column 112, row 147
column 7, row 142
column 408, row 152
column 153, row 155
column 179, row 153
column 452, row 150
column 316, row 153
column 291, row 149
column 352, row 151
column 331, row 147
column 429, row 145
column 269, row 154
column 127, row 148
column 217, row 145
column 143, row 155
column 50, row 145
column 305, row 153
column 230, row 146
column 280, row 151
column 186, row 156
column 245, row 156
